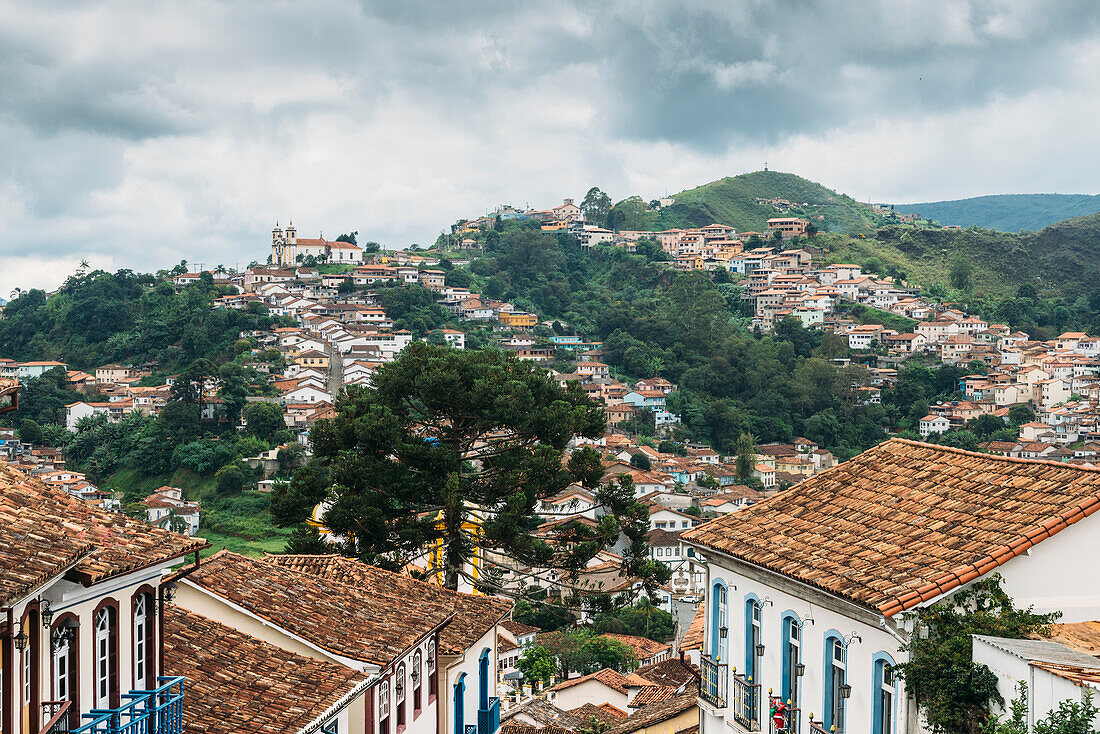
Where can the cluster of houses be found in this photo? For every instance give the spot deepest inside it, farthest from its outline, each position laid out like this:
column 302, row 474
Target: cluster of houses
column 110, row 620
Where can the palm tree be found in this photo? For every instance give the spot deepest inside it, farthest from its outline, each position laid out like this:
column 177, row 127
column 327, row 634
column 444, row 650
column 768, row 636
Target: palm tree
column 16, row 293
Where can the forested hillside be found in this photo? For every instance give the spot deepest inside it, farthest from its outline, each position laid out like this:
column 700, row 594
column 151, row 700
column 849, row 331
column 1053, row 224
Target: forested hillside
column 1057, row 261
column 733, row 201
column 1007, row 212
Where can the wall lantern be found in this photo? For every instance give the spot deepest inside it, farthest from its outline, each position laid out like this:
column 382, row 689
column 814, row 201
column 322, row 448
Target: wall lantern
column 723, row 631
column 21, row 639
column 46, row 613
column 800, row 669
column 760, row 649
column 845, row 691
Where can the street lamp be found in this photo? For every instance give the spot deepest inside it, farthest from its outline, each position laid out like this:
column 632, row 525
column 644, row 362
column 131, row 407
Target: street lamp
column 46, row 613
column 21, row 639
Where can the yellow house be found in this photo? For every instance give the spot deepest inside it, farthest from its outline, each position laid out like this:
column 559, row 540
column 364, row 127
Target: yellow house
column 311, row 358
column 519, row 319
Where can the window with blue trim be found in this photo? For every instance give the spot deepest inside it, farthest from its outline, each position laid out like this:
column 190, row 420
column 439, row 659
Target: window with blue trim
column 719, row 643
column 753, row 639
column 459, row 705
column 884, row 695
column 835, row 677
column 792, row 658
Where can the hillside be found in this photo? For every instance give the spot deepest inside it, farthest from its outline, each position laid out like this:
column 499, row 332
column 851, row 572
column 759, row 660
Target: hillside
column 1061, row 257
column 733, row 201
column 1007, row 212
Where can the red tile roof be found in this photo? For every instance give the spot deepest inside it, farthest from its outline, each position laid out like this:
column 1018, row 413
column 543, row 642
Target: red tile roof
column 45, row 531
column 905, row 522
column 374, row 627
column 240, row 685
column 474, row 616
column 643, row 647
column 613, row 679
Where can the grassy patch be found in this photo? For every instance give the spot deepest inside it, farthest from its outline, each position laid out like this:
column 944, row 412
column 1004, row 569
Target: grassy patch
column 218, row 541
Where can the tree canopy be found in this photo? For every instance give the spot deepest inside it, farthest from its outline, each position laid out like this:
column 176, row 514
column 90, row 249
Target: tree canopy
column 456, row 448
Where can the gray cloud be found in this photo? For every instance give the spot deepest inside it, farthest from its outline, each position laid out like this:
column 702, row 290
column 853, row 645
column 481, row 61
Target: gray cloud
column 146, row 133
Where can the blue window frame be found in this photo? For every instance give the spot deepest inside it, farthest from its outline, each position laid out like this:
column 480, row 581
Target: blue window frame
column 753, row 637
column 483, row 680
column 884, row 694
column 459, row 704
column 834, row 675
column 792, row 656
column 719, row 620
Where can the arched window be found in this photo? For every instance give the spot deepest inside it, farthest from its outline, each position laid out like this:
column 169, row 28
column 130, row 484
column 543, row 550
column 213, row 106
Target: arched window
column 483, row 680
column 65, row 663
column 399, row 696
column 835, row 678
column 417, row 671
column 884, row 690
column 144, row 641
column 105, row 665
column 753, row 639
column 719, row 636
column 792, row 657
column 384, row 707
column 433, row 681
column 460, row 705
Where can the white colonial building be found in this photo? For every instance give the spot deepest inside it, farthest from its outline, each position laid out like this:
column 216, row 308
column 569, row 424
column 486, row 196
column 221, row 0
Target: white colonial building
column 807, row 590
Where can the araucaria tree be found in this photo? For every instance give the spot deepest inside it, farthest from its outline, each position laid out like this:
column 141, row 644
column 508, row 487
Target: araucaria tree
column 453, row 449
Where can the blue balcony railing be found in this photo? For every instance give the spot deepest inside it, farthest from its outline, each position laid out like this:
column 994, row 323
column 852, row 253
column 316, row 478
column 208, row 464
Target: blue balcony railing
column 158, row 711
column 470, row 729
column 746, row 702
column 715, row 676
column 488, row 720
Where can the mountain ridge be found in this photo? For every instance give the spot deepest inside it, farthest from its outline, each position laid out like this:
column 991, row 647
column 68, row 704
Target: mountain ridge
column 1006, row 212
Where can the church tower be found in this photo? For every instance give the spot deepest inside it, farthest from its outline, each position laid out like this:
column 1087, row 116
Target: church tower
column 278, row 246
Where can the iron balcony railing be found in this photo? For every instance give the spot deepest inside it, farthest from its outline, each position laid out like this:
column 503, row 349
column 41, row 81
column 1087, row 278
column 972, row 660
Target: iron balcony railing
column 55, row 714
column 488, row 720
column 715, row 677
column 745, row 700
column 157, row 711
column 817, row 727
column 470, row 729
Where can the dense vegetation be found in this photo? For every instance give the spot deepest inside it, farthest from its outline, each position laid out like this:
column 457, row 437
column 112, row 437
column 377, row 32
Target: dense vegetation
column 99, row 317
column 954, row 692
column 1007, row 212
column 691, row 330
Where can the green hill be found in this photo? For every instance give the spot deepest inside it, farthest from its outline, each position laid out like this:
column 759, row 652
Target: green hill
column 1007, row 212
column 1062, row 257
column 734, row 200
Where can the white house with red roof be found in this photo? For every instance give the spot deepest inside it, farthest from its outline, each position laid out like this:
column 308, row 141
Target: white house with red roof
column 808, row 590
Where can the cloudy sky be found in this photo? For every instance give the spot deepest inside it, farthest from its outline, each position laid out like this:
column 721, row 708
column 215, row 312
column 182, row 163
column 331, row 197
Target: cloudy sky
column 136, row 134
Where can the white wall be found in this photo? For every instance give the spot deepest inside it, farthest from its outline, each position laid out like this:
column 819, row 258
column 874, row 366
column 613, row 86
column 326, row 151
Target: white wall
column 825, row 619
column 1046, row 578
column 451, row 670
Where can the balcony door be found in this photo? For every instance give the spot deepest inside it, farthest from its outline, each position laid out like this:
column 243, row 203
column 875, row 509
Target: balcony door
column 837, row 674
column 792, row 657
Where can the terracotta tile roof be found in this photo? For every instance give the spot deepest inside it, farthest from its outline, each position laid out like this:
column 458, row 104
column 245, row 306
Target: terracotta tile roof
column 46, row 531
column 518, row 629
column 905, row 522
column 613, row 679
column 591, row 711
column 240, row 685
column 545, row 715
column 341, row 619
column 693, row 638
column 505, row 645
column 643, row 647
column 474, row 616
column 673, row 672
column 652, row 694
column 657, row 713
column 1073, row 673
column 613, row 710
